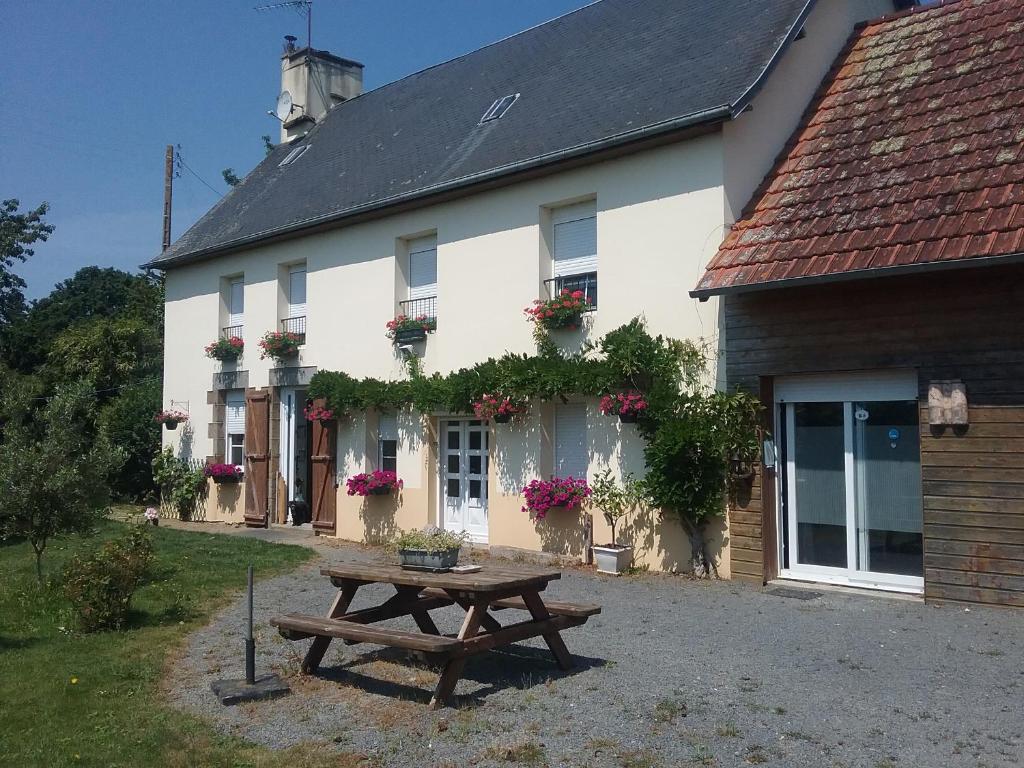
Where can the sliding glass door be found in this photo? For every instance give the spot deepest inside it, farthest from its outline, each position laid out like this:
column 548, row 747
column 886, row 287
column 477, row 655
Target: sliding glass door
column 851, row 490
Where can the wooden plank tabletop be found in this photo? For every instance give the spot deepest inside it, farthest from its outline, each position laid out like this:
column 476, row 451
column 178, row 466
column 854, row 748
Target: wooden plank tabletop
column 490, row 578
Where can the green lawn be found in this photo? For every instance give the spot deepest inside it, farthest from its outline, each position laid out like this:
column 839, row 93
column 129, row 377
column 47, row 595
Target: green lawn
column 94, row 700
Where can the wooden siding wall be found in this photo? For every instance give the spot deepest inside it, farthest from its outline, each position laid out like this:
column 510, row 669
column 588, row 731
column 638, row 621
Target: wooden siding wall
column 962, row 324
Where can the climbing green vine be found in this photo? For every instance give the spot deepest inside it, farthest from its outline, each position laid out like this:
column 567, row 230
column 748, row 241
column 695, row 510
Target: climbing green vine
column 693, row 433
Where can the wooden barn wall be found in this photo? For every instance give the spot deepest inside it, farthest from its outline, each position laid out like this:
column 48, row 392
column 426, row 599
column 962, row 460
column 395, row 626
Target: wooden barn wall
column 961, row 324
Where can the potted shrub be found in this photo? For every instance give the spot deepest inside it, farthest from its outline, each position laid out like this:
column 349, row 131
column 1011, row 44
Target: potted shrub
column 280, row 345
column 430, row 549
column 316, row 413
column 171, row 418
column 498, row 408
column 615, row 501
column 628, row 406
column 225, row 349
column 564, row 311
column 223, row 473
column 543, row 496
column 376, row 483
column 405, row 330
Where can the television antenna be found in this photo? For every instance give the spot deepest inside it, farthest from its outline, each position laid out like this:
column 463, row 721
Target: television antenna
column 301, row 7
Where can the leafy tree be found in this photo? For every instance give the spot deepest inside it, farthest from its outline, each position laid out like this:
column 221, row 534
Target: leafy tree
column 127, row 422
column 230, row 178
column 18, row 232
column 93, row 292
column 53, row 473
column 108, row 353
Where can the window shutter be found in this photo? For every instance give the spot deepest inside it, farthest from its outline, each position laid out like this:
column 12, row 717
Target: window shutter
column 234, row 419
column 297, row 292
column 387, row 426
column 236, row 302
column 575, row 239
column 571, row 440
column 423, row 267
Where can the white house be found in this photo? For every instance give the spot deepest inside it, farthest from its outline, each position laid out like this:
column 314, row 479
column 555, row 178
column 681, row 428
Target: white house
column 609, row 148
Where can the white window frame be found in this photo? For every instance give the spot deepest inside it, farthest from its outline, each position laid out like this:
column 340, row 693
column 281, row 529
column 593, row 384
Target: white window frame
column 572, row 221
column 234, row 426
column 296, row 309
column 387, row 431
column 236, row 314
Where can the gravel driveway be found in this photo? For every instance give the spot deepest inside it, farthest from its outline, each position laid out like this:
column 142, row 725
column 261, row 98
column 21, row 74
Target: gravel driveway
column 673, row 672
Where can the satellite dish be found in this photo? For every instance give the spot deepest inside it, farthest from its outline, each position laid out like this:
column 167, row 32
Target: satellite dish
column 284, row 106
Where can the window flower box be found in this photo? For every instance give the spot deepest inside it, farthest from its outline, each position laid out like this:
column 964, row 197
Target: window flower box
column 542, row 496
column 316, row 413
column 563, row 311
column 225, row 349
column 376, row 483
column 628, row 406
column 171, row 418
column 407, row 330
column 223, row 473
column 498, row 408
column 282, row 346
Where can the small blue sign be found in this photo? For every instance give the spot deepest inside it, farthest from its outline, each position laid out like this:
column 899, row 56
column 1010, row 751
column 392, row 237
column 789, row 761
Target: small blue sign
column 894, row 434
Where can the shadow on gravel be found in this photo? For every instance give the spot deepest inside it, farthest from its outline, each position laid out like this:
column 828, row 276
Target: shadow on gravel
column 519, row 668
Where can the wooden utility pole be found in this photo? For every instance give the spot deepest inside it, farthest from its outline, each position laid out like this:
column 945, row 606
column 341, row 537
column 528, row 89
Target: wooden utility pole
column 168, row 188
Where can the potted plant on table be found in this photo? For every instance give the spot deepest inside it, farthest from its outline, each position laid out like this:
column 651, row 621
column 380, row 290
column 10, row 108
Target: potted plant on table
column 563, row 311
column 171, row 418
column 223, row 473
column 376, row 483
column 405, row 330
column 628, row 406
column 542, row 496
column 430, row 549
column 498, row 408
column 280, row 345
column 225, row 349
column 615, row 501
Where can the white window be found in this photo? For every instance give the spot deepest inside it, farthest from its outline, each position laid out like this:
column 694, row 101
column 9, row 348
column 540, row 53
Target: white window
column 575, row 248
column 571, row 458
column 387, row 442
column 236, row 305
column 297, row 291
column 234, row 428
column 423, row 267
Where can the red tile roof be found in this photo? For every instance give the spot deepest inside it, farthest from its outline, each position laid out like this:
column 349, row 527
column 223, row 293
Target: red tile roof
column 910, row 155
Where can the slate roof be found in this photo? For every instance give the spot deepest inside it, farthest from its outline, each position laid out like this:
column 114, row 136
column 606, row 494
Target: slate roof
column 612, row 72
column 911, row 156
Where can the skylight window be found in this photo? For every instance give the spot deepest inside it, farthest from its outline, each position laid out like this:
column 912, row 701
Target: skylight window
column 294, row 155
column 499, row 108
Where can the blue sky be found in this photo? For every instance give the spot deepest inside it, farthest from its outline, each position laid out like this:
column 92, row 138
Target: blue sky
column 94, row 90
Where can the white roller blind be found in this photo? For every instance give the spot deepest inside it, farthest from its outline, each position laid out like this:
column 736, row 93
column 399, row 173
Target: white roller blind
column 297, row 292
column 234, row 418
column 571, row 457
column 423, row 267
column 575, row 239
column 387, row 426
column 236, row 302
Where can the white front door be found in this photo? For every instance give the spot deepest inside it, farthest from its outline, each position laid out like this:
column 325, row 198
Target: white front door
column 293, row 448
column 851, row 490
column 464, row 448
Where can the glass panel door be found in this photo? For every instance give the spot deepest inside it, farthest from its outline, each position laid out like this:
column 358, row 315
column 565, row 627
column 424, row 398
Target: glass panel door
column 887, row 469
column 852, row 492
column 464, row 477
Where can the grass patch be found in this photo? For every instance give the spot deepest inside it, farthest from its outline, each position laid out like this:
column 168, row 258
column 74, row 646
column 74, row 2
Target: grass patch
column 93, row 700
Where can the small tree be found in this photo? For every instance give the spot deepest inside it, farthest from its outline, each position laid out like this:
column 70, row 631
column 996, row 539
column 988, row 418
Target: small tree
column 53, row 473
column 616, row 501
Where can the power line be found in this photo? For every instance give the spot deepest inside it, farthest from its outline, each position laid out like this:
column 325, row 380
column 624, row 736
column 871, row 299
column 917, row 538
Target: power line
column 181, row 161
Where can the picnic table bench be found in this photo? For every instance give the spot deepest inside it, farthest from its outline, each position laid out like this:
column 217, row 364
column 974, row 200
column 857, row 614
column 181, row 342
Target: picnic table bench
column 493, row 588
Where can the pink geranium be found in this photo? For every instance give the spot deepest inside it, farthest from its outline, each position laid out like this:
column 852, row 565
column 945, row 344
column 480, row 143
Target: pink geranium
column 497, row 407
column 563, row 311
column 374, row 483
column 315, row 412
column 543, row 495
column 623, row 404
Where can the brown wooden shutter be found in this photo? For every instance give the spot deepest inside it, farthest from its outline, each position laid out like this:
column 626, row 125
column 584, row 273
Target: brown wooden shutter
column 257, row 457
column 325, row 495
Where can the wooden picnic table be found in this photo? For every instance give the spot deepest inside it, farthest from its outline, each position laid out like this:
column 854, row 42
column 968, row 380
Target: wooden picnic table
column 480, row 594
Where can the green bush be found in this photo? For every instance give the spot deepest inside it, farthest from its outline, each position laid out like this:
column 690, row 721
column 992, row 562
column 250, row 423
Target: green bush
column 100, row 586
column 180, row 485
column 127, row 422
